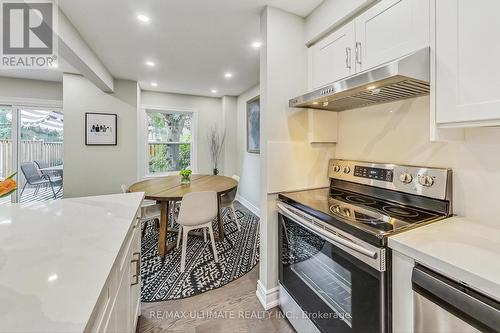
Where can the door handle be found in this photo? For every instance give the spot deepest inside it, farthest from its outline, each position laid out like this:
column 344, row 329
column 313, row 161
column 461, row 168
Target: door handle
column 328, row 236
column 348, row 57
column 358, row 53
column 137, row 267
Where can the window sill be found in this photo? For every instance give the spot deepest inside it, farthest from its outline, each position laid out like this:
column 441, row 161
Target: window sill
column 163, row 174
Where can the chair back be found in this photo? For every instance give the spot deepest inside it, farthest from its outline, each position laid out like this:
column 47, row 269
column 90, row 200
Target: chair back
column 198, row 208
column 231, row 195
column 124, row 188
column 30, row 172
column 41, row 164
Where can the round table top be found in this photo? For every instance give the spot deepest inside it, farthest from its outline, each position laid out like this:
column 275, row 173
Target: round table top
column 170, row 187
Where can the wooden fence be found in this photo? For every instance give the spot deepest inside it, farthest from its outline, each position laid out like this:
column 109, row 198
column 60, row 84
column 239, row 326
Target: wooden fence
column 51, row 152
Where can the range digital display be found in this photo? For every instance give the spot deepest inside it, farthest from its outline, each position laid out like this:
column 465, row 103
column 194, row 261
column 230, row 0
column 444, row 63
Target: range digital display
column 386, row 175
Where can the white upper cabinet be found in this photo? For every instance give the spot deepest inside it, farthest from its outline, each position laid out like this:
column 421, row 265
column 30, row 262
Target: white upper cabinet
column 332, row 58
column 389, row 30
column 386, row 31
column 467, row 63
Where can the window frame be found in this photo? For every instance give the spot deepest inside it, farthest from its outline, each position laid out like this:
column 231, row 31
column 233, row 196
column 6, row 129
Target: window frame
column 143, row 167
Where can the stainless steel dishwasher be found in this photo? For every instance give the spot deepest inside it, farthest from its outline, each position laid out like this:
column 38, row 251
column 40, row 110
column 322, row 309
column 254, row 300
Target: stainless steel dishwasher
column 444, row 305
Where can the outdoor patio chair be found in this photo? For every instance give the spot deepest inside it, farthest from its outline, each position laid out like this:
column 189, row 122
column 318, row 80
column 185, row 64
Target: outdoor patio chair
column 55, row 176
column 36, row 179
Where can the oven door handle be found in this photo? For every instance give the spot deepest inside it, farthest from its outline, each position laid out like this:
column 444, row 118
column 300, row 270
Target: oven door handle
column 328, row 236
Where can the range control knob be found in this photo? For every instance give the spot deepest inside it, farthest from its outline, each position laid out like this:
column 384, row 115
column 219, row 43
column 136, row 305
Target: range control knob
column 336, row 168
column 426, row 180
column 406, row 178
column 347, row 169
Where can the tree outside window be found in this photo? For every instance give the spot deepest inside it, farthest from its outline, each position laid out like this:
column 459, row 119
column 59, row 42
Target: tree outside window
column 169, row 141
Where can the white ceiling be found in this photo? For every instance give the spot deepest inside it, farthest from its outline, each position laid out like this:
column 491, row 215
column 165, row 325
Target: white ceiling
column 192, row 42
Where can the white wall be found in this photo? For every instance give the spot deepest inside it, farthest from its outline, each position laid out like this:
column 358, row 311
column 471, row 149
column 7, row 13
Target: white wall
column 12, row 89
column 229, row 119
column 399, row 133
column 92, row 170
column 284, row 134
column 248, row 164
column 209, row 114
column 330, row 15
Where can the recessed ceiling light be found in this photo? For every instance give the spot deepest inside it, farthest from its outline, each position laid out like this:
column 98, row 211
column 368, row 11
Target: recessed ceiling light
column 228, row 75
column 256, row 45
column 143, row 18
column 52, row 277
column 154, row 84
column 150, row 63
column 214, row 91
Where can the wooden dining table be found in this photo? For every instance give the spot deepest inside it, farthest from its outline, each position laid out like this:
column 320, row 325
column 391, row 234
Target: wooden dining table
column 169, row 189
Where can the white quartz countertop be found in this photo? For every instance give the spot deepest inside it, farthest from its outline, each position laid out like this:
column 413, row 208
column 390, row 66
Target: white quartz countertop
column 462, row 249
column 55, row 257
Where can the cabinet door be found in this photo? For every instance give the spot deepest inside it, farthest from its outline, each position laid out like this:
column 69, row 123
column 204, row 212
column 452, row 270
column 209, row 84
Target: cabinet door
column 135, row 286
column 467, row 55
column 331, row 58
column 120, row 315
column 389, row 30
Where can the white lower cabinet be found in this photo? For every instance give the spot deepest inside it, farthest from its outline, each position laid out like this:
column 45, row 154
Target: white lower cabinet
column 402, row 293
column 118, row 307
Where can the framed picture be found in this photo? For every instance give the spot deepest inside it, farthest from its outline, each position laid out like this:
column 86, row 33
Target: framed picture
column 253, row 125
column 100, row 129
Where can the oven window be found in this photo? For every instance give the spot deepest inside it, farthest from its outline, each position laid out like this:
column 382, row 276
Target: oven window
column 335, row 290
column 329, row 281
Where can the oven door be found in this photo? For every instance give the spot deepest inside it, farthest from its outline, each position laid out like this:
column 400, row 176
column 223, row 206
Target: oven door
column 338, row 282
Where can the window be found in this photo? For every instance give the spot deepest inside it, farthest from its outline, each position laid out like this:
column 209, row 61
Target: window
column 169, row 142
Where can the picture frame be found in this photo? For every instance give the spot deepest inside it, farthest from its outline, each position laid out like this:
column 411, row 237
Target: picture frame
column 253, row 125
column 101, row 129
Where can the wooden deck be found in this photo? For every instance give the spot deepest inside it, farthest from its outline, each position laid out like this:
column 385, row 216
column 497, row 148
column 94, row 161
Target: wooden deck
column 44, row 194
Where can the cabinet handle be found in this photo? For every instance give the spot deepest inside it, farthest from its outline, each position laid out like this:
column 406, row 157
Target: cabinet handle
column 348, row 57
column 137, row 222
column 137, row 268
column 358, row 52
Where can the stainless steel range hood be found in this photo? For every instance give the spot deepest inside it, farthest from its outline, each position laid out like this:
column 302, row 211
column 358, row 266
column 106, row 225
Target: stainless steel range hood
column 403, row 78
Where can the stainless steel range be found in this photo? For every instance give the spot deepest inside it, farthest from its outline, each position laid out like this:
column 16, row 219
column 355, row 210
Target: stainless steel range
column 335, row 266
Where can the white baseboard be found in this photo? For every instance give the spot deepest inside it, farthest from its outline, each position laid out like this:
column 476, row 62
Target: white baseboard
column 248, row 205
column 268, row 298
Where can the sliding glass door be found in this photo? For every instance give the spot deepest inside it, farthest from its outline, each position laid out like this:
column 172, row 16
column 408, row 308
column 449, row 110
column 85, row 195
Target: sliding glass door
column 7, row 165
column 31, row 143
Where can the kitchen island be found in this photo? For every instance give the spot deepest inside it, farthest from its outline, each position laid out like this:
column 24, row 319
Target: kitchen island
column 70, row 265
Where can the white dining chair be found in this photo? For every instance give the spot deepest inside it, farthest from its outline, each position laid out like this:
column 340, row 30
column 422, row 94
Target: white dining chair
column 150, row 210
column 227, row 201
column 198, row 210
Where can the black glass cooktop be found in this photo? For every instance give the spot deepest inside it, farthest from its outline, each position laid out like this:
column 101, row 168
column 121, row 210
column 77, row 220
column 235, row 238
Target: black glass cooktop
column 384, row 216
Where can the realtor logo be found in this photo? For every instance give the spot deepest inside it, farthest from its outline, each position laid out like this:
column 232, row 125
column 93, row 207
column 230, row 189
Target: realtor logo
column 28, row 34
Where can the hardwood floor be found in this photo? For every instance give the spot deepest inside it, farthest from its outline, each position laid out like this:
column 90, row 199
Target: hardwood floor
column 232, row 308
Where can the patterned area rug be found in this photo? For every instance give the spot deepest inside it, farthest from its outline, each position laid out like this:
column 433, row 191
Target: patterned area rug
column 238, row 254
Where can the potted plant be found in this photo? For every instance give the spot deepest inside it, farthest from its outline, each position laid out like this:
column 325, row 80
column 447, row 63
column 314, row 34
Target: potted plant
column 8, row 186
column 216, row 145
column 185, row 176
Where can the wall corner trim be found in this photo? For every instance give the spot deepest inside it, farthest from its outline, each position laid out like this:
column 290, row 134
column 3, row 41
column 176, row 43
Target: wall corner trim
column 251, row 207
column 268, row 298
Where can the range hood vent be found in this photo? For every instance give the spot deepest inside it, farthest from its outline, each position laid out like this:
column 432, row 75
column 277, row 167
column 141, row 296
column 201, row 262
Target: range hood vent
column 406, row 77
